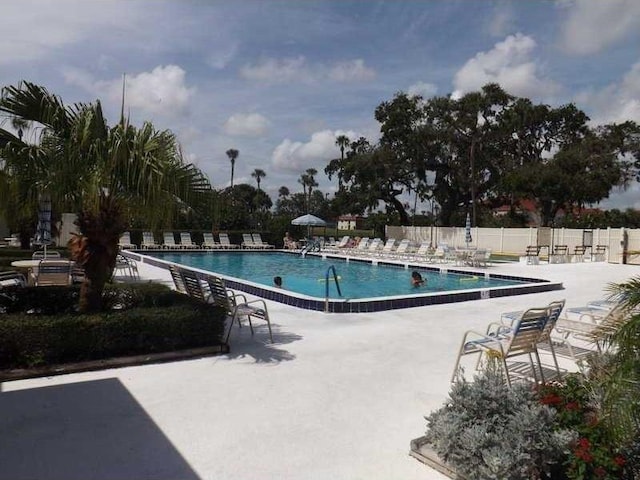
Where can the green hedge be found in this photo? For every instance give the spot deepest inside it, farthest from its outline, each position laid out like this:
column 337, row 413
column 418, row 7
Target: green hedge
column 141, row 319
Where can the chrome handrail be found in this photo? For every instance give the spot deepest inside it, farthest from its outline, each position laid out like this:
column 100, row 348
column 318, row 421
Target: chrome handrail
column 326, row 286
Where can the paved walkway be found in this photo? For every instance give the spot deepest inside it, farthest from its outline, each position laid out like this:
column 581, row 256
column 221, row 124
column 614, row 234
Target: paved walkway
column 337, row 396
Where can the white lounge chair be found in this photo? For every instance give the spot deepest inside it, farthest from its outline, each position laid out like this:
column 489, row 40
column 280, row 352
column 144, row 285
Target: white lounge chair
column 148, row 241
column 12, row 279
column 387, row 248
column 226, row 243
column 125, row 241
column 169, row 241
column 247, row 241
column 208, row 241
column 186, row 241
column 402, row 251
column 424, row 253
column 257, row 240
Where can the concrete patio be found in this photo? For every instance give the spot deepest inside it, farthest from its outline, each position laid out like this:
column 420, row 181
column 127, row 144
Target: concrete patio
column 337, row 396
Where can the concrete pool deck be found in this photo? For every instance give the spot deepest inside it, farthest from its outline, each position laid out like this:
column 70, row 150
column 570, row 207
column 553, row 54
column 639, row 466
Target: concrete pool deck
column 336, row 396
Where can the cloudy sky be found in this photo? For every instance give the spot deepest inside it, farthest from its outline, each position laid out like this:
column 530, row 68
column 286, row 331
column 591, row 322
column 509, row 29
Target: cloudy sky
column 278, row 80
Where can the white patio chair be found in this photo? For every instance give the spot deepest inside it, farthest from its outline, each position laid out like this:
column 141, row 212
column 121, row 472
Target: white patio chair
column 521, row 339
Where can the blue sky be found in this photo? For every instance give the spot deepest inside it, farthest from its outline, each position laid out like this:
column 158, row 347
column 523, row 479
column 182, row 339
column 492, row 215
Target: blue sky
column 278, row 80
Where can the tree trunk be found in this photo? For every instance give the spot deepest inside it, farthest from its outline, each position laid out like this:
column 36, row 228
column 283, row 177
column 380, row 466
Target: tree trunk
column 97, row 272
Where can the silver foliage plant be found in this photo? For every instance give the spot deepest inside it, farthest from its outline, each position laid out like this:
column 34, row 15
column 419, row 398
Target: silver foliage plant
column 486, row 430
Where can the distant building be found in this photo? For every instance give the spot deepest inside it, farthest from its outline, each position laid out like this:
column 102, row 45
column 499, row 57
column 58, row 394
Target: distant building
column 350, row 222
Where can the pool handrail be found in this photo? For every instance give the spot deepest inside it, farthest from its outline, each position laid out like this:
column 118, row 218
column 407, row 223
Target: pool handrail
column 326, row 286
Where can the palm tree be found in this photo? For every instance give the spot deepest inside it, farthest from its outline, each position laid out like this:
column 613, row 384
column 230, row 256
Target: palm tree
column 621, row 379
column 311, row 182
column 283, row 191
column 103, row 173
column 342, row 141
column 258, row 174
column 232, row 153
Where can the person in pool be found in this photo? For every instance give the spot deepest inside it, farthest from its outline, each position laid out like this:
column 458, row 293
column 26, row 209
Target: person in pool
column 416, row 279
column 277, row 281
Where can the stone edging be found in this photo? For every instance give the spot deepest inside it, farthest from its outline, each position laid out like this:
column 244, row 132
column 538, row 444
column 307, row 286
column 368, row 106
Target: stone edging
column 51, row 370
column 421, row 450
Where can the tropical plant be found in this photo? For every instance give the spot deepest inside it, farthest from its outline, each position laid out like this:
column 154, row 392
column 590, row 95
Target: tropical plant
column 106, row 174
column 258, row 174
column 232, row 153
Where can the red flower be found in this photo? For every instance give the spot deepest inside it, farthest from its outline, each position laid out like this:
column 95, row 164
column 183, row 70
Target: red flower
column 600, row 472
column 572, row 406
column 619, row 461
column 551, row 399
column 584, row 443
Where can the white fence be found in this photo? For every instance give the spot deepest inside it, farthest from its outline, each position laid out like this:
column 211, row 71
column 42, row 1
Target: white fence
column 514, row 241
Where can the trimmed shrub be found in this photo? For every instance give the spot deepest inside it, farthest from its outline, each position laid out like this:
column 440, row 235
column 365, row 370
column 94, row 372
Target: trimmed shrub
column 41, row 325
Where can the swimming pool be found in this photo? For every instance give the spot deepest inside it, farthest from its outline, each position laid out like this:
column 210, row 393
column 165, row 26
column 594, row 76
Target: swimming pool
column 366, row 285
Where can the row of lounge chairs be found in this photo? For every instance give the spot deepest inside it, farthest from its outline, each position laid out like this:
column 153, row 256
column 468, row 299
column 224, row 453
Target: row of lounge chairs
column 406, row 250
column 212, row 290
column 253, row 241
column 574, row 335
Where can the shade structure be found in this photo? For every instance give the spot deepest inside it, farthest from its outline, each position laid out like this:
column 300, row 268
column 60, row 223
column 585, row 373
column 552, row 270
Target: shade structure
column 309, row 220
column 43, row 229
column 467, row 230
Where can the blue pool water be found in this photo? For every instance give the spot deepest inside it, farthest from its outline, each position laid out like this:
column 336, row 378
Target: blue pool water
column 307, row 275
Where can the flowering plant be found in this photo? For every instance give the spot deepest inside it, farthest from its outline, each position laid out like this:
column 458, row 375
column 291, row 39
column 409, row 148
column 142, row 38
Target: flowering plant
column 593, row 455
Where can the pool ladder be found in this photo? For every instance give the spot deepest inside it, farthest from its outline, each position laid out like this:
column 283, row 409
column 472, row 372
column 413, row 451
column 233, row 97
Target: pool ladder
column 326, row 286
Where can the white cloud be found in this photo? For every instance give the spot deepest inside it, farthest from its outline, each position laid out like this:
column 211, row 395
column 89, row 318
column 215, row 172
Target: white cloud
column 277, row 70
column 425, row 90
column 246, row 124
column 352, row 71
column 617, row 102
column 162, row 91
column 298, row 70
column 592, row 25
column 508, row 63
column 319, row 150
column 32, row 29
column 221, row 56
column 501, row 22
